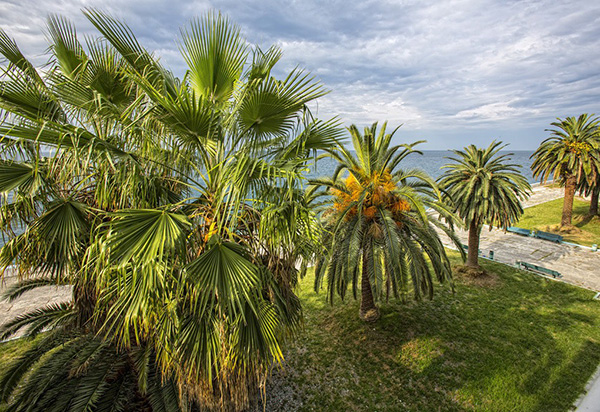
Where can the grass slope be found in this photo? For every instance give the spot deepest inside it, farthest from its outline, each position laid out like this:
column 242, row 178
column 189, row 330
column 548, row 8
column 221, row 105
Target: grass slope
column 519, row 343
column 546, row 217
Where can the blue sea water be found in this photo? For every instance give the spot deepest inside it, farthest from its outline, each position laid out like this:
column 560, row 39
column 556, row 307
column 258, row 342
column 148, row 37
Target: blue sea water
column 431, row 161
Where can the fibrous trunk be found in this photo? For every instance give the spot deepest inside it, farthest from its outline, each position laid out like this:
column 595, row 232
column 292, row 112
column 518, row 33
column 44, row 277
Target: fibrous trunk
column 567, row 213
column 594, row 201
column 368, row 311
column 473, row 252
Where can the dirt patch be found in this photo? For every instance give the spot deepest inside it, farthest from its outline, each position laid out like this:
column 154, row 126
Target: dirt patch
column 477, row 277
column 574, row 233
column 563, row 230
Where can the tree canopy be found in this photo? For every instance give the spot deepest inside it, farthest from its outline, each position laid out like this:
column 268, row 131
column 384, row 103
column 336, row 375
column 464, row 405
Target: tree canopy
column 174, row 206
column 376, row 227
column 484, row 189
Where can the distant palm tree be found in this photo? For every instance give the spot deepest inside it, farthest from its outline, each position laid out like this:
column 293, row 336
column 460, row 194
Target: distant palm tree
column 377, row 232
column 483, row 190
column 594, row 197
column 174, row 207
column 568, row 155
column 591, row 187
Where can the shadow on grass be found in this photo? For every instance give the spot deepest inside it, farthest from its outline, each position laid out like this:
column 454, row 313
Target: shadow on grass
column 528, row 345
column 584, row 363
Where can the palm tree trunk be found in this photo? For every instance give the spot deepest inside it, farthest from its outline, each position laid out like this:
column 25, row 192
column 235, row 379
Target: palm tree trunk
column 84, row 300
column 567, row 213
column 368, row 311
column 473, row 252
column 594, row 201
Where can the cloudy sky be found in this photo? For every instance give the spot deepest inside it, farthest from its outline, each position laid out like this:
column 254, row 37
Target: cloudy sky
column 453, row 72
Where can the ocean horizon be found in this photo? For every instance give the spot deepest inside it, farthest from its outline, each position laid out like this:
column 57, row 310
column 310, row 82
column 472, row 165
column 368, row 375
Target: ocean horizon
column 431, row 162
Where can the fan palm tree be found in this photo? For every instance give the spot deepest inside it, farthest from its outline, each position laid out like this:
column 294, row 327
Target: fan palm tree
column 377, row 233
column 568, row 156
column 173, row 206
column 483, row 189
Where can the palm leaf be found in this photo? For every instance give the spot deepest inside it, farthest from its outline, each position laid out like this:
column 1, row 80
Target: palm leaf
column 225, row 278
column 215, row 53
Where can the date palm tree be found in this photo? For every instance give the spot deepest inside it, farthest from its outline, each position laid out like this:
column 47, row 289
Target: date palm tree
column 378, row 235
column 568, row 156
column 483, row 189
column 172, row 206
column 594, row 193
column 591, row 187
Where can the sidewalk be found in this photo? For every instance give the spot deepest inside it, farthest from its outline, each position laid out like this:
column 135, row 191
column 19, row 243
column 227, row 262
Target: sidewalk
column 579, row 266
column 28, row 301
column 590, row 402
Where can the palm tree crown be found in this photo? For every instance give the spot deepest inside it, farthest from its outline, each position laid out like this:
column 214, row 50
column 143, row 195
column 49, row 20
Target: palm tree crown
column 484, row 189
column 376, row 223
column 173, row 206
column 569, row 156
column 570, row 150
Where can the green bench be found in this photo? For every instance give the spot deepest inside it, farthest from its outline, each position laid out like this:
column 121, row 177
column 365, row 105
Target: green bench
column 539, row 269
column 519, row 231
column 548, row 236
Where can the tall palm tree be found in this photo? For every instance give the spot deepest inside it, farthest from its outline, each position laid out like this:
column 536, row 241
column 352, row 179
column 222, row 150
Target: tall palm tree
column 483, row 189
column 591, row 187
column 173, row 206
column 568, row 155
column 594, row 196
column 377, row 232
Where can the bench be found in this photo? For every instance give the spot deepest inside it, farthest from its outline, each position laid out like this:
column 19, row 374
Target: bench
column 539, row 269
column 519, row 231
column 548, row 236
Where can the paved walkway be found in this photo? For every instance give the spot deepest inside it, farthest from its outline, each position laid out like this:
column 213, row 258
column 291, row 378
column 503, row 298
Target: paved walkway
column 543, row 194
column 590, row 402
column 579, row 266
column 29, row 301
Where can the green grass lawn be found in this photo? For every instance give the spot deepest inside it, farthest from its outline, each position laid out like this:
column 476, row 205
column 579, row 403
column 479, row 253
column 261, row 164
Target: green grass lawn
column 546, row 217
column 517, row 342
column 520, row 343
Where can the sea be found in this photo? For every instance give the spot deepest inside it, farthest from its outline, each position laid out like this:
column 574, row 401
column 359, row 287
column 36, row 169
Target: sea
column 431, row 162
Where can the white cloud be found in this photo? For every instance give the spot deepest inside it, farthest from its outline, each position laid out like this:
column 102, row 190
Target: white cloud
column 496, row 111
column 441, row 67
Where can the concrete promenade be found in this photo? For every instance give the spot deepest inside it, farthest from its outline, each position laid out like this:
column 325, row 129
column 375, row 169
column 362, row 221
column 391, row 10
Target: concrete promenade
column 579, row 266
column 31, row 300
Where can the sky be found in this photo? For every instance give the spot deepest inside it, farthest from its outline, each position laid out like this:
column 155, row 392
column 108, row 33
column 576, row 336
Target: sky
column 452, row 72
